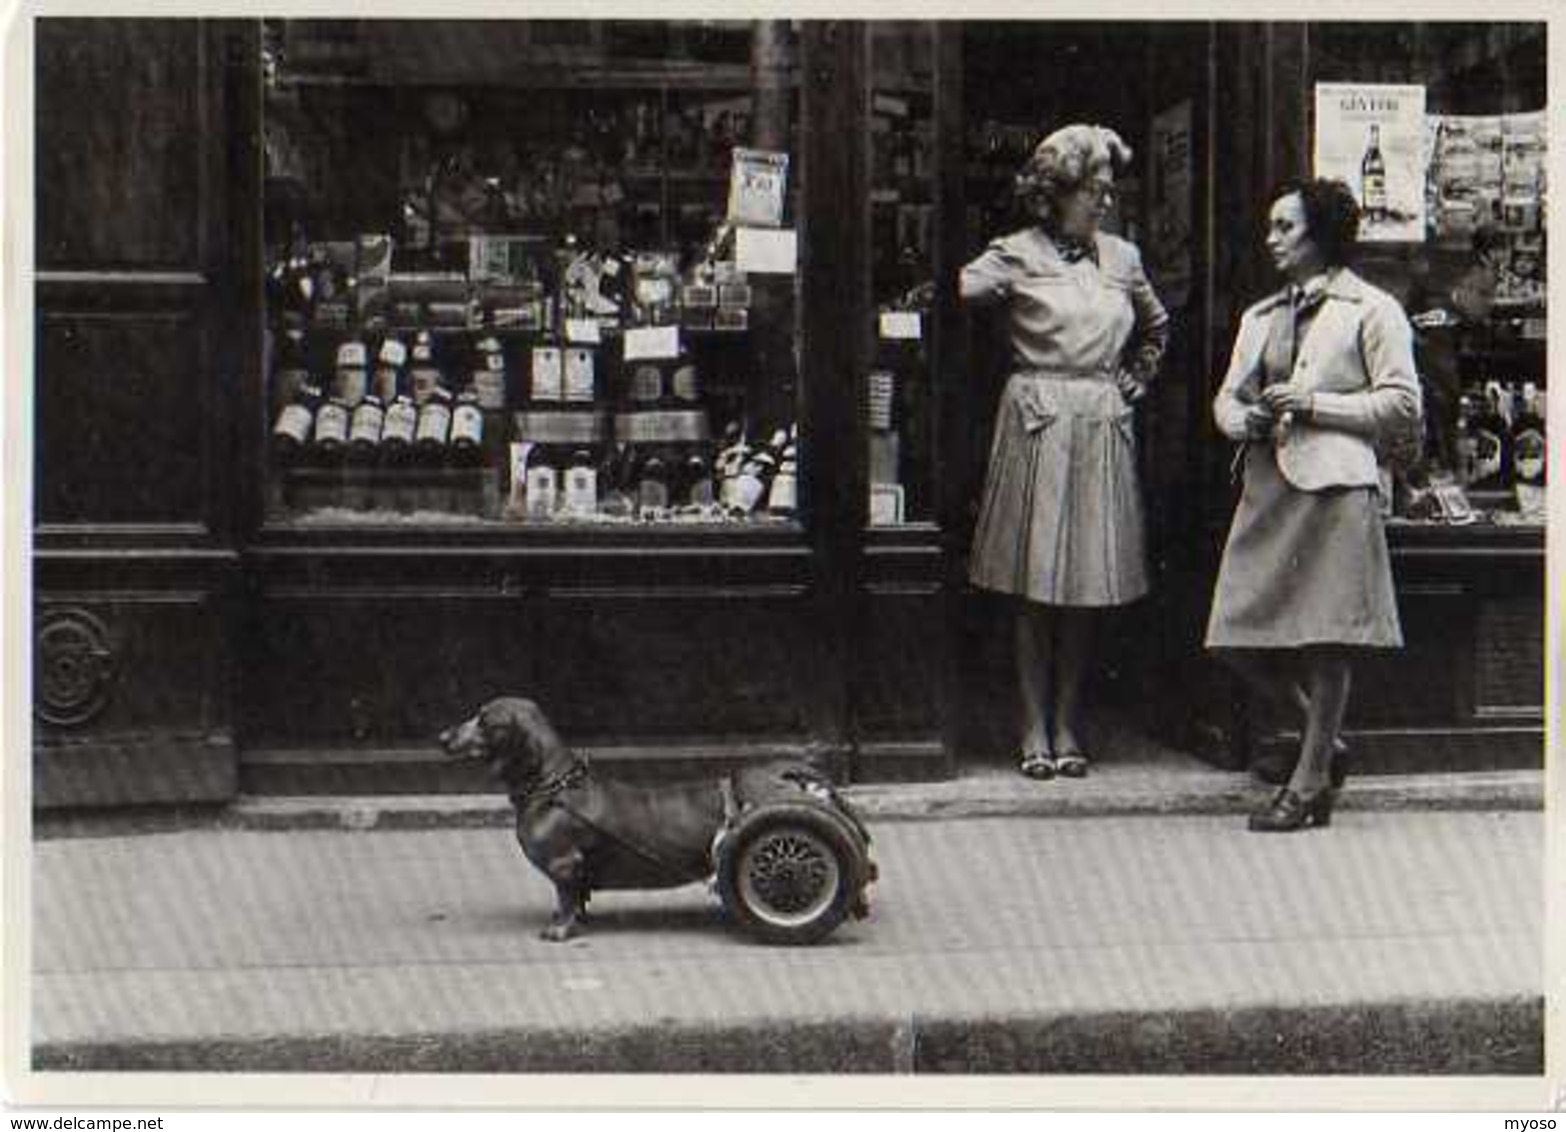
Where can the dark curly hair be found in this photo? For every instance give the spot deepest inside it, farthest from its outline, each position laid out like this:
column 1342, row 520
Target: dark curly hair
column 1331, row 215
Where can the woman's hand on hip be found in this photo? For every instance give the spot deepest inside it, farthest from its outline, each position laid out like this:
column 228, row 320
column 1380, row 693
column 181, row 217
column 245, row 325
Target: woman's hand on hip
column 1131, row 390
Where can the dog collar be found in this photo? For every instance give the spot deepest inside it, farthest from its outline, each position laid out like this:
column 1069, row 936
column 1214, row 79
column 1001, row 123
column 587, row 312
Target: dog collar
column 572, row 775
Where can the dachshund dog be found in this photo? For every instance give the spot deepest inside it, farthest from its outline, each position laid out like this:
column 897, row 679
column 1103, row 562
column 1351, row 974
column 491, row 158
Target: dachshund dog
column 585, row 834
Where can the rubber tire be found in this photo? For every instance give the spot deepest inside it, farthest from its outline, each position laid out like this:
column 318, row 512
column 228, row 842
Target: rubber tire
column 849, row 851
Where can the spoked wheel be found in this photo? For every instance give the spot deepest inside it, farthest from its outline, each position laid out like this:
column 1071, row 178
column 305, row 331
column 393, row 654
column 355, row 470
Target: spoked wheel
column 790, row 873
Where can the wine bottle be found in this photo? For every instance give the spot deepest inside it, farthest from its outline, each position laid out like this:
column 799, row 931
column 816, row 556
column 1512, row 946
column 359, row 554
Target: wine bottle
column 432, row 435
column 331, row 431
column 365, row 429
column 389, row 362
column 296, row 423
column 489, row 376
column 784, row 497
column 1373, row 178
column 1466, row 442
column 351, row 377
column 1493, row 437
column 467, row 429
column 424, row 376
column 579, row 493
column 1529, row 452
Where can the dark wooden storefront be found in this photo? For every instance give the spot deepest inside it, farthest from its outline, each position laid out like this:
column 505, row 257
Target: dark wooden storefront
column 187, row 650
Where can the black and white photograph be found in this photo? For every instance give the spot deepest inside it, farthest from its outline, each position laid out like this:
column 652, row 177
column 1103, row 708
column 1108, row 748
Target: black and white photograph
column 984, row 561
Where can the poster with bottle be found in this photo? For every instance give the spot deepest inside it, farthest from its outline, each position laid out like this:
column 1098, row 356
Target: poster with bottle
column 1372, row 137
column 758, row 182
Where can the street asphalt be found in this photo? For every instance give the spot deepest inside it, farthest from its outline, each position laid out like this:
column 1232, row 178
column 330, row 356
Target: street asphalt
column 1015, row 928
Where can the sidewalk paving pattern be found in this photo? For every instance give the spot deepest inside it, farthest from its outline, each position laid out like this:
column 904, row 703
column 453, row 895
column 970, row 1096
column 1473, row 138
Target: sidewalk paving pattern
column 1398, row 941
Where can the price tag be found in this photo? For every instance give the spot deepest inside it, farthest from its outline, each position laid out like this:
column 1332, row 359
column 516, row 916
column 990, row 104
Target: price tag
column 584, row 330
column 765, row 251
column 652, row 342
column 902, row 325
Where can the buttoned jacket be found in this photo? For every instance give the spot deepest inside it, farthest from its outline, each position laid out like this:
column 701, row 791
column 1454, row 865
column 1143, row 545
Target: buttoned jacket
column 1356, row 363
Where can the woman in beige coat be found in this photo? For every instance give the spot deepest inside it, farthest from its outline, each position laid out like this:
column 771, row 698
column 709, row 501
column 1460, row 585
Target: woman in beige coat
column 1321, row 372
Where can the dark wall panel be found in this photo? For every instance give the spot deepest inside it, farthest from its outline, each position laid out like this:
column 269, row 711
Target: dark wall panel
column 121, row 403
column 126, row 665
column 699, row 663
column 119, row 144
column 378, row 668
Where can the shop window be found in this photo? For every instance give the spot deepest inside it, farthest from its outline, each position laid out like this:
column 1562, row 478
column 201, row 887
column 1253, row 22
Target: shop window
column 898, row 400
column 1471, row 273
column 531, row 275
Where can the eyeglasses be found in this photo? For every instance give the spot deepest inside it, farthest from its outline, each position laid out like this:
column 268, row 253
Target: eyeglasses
column 1098, row 190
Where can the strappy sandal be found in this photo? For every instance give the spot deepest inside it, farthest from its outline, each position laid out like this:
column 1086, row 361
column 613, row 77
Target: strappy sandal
column 1073, row 764
column 1037, row 766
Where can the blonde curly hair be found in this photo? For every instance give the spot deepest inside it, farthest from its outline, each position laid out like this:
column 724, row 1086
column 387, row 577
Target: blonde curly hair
column 1062, row 163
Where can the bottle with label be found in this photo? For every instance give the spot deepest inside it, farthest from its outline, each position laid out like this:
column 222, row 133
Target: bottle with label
column 467, row 429
column 1373, row 178
column 292, row 369
column 579, row 382
column 548, row 373
column 424, row 376
column 489, row 376
column 351, row 377
column 330, row 441
column 652, row 484
column 1493, row 444
column 696, row 486
column 579, row 492
column 543, row 483
column 389, row 363
column 784, row 497
column 432, row 435
column 364, row 430
column 1529, row 452
column 1466, row 445
column 399, row 430
column 296, row 423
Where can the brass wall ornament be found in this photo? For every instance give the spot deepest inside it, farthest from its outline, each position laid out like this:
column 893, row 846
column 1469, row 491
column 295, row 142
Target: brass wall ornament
column 73, row 667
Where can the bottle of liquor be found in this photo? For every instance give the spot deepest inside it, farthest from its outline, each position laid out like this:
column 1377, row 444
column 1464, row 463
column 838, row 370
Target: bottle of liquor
column 652, row 484
column 330, row 441
column 696, row 486
column 467, row 429
column 784, row 497
column 432, row 436
column 1529, row 450
column 399, row 429
column 389, row 360
column 489, row 376
column 1466, row 445
column 351, row 377
column 296, row 423
column 424, row 376
column 543, row 483
column 1493, row 441
column 1373, row 178
column 292, row 369
column 365, row 429
column 579, row 492
column 733, row 450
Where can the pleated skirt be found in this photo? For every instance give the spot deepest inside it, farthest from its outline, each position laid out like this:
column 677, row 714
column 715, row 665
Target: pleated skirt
column 1303, row 567
column 1061, row 522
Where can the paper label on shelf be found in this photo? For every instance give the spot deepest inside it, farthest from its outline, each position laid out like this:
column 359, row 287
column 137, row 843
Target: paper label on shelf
column 583, row 330
column 652, row 342
column 766, row 251
column 547, row 374
column 904, row 325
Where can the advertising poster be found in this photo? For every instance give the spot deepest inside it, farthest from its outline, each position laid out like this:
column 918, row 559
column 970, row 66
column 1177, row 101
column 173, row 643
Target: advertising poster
column 1169, row 241
column 1372, row 136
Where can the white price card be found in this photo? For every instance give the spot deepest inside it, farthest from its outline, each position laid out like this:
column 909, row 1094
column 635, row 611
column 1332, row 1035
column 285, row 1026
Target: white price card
column 766, row 251
column 585, row 330
column 901, row 325
column 652, row 342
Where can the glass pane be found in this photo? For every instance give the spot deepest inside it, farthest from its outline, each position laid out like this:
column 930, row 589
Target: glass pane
column 899, row 401
column 531, row 273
